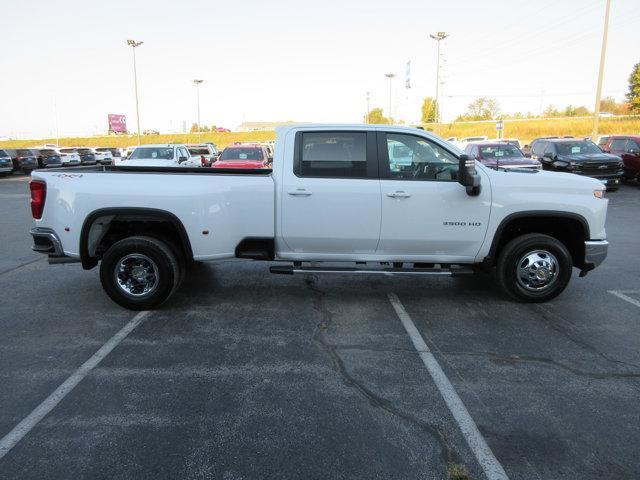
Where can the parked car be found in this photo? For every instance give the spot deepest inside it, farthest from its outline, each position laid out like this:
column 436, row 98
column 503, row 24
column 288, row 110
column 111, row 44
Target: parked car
column 204, row 152
column 103, row 155
column 23, row 159
column 161, row 155
column 47, row 157
column 526, row 150
column 500, row 155
column 116, row 154
column 512, row 141
column 69, row 159
column 626, row 147
column 151, row 132
column 87, row 156
column 6, row 165
column 243, row 155
column 582, row 157
column 332, row 197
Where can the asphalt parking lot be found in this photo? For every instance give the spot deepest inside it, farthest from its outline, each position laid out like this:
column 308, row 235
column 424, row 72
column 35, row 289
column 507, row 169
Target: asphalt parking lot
column 247, row 375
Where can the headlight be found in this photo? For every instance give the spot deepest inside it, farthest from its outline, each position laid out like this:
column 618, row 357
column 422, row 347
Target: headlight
column 598, row 193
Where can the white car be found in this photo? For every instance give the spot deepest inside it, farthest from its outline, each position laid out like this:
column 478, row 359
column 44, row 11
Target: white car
column 203, row 153
column 103, row 156
column 69, row 157
column 161, row 155
column 333, row 196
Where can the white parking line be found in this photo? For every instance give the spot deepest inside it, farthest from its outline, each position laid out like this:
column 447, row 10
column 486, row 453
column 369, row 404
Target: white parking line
column 19, row 431
column 621, row 294
column 478, row 445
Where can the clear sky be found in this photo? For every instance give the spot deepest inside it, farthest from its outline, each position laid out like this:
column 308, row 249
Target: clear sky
column 298, row 60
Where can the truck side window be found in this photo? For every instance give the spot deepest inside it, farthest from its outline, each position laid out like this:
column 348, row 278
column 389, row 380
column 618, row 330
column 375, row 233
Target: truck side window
column 333, row 154
column 416, row 158
column 550, row 148
column 618, row 144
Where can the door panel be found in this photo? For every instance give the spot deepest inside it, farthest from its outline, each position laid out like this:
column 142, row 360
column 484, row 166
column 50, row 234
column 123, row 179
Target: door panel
column 331, row 199
column 425, row 211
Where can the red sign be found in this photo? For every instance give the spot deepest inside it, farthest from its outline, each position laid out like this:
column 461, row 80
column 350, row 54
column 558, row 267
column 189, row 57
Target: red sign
column 117, row 123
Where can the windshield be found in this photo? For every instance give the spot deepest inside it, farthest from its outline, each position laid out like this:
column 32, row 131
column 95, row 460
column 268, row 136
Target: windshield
column 152, row 153
column 68, row 150
column 84, row 151
column 199, row 151
column 25, row 153
column 48, row 152
column 237, row 153
column 3, row 153
column 500, row 151
column 577, row 148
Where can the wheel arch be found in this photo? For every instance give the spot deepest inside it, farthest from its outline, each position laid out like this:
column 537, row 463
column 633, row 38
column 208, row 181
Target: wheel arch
column 129, row 214
column 570, row 228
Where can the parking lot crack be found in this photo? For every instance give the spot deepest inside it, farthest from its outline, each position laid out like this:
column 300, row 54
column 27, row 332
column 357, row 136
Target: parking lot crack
column 515, row 359
column 449, row 456
column 550, row 319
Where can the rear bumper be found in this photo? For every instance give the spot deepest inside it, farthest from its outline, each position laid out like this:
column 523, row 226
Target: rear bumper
column 595, row 251
column 45, row 240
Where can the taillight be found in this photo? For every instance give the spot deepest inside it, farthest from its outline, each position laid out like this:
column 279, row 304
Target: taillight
column 38, row 194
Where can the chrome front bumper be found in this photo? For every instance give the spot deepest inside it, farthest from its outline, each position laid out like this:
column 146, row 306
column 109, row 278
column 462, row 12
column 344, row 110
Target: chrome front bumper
column 595, row 251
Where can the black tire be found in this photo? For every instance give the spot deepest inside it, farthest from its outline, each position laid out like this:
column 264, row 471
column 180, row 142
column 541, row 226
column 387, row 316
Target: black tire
column 157, row 256
column 514, row 254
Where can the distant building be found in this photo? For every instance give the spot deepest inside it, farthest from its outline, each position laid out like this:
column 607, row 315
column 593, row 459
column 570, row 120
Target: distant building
column 263, row 126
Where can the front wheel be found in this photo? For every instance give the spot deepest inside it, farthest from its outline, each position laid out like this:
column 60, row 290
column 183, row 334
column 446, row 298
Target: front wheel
column 140, row 273
column 534, row 268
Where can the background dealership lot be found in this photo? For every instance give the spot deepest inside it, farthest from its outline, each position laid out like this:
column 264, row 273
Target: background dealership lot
column 247, row 375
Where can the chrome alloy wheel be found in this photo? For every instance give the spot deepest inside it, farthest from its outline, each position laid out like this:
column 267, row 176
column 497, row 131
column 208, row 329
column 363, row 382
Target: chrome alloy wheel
column 136, row 275
column 537, row 270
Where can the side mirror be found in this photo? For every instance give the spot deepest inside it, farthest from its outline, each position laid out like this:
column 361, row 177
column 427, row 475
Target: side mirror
column 182, row 159
column 548, row 155
column 467, row 175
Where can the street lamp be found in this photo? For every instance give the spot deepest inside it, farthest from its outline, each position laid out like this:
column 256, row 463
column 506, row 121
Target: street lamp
column 133, row 44
column 438, row 37
column 390, row 77
column 197, row 84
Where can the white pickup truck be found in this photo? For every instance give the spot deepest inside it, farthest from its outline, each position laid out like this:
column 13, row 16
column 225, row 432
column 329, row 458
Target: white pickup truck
column 342, row 199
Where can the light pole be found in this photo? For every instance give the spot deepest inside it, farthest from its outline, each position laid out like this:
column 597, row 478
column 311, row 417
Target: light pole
column 390, row 76
column 368, row 109
column 133, row 44
column 596, row 113
column 197, row 84
column 438, row 37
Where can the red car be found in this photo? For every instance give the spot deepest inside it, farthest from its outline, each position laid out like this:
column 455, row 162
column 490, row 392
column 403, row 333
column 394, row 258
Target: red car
column 243, row 155
column 500, row 155
column 626, row 147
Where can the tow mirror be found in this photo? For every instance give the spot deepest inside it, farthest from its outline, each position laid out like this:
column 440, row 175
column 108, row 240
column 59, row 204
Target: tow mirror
column 182, row 159
column 467, row 175
column 548, row 155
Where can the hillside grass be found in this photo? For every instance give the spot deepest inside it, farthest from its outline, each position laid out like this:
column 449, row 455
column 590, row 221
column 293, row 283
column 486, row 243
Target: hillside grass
column 525, row 130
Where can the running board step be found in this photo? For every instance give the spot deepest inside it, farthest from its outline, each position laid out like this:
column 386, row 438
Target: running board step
column 449, row 272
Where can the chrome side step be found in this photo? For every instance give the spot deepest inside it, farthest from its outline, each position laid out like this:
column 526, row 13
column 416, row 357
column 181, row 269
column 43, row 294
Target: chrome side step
column 448, row 272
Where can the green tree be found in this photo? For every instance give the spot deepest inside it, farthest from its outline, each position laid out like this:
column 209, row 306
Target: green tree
column 482, row 108
column 376, row 116
column 429, row 110
column 551, row 111
column 633, row 96
column 194, row 128
column 582, row 111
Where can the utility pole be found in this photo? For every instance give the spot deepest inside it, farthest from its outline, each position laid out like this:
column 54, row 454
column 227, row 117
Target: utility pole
column 368, row 109
column 55, row 120
column 603, row 52
column 438, row 37
column 390, row 76
column 197, row 84
column 133, row 44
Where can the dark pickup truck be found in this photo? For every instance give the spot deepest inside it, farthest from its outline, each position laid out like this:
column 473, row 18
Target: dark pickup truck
column 626, row 147
column 581, row 157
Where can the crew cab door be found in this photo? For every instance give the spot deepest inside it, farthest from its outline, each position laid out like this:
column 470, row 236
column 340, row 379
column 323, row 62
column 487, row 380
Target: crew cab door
column 331, row 196
column 426, row 213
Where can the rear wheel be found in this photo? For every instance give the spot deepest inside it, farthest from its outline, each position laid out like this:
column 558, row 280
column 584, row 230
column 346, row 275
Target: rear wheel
column 534, row 268
column 140, row 273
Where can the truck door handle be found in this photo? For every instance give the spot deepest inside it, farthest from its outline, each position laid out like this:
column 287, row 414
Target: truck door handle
column 300, row 191
column 398, row 194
